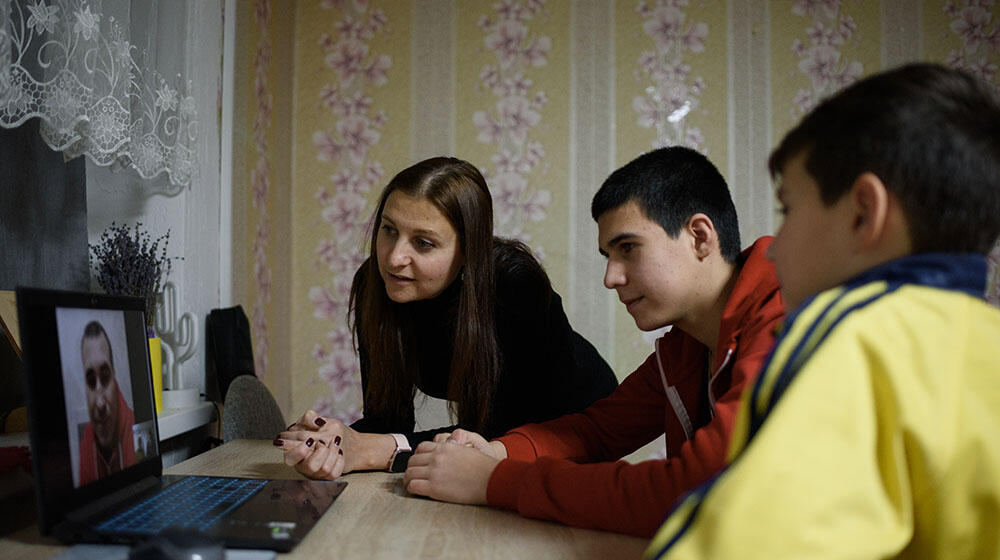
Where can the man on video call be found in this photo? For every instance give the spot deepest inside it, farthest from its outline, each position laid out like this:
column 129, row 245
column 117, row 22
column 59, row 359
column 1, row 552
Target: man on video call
column 106, row 446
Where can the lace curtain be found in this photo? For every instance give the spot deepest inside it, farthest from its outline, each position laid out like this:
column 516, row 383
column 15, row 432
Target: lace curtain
column 105, row 77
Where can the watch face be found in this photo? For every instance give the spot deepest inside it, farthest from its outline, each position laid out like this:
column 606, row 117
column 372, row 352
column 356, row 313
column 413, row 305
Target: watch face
column 400, row 460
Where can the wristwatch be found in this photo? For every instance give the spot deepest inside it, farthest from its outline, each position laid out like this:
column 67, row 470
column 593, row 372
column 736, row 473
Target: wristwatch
column 401, row 455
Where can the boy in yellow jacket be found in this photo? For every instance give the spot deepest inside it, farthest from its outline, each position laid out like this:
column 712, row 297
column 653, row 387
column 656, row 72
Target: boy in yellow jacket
column 873, row 430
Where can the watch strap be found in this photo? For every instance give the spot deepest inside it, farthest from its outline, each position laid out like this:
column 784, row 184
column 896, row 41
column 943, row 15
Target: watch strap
column 401, row 455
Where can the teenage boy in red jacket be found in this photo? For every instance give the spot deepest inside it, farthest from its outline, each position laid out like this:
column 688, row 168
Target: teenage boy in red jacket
column 668, row 227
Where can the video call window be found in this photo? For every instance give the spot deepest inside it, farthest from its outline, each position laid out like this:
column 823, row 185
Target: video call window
column 97, row 377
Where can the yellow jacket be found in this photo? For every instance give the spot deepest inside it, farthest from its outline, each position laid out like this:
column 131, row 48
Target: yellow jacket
column 873, row 432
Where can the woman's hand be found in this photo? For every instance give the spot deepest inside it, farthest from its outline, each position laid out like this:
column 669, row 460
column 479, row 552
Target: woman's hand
column 326, row 448
column 312, row 456
column 308, row 421
column 315, row 446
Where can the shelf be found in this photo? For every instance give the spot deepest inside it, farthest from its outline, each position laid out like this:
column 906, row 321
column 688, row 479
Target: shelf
column 176, row 421
column 172, row 421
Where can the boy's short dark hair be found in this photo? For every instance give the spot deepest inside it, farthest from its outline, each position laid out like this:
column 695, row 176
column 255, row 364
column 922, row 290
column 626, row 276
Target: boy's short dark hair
column 670, row 185
column 931, row 134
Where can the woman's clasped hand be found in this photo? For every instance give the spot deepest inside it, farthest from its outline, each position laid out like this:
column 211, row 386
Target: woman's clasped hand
column 325, row 448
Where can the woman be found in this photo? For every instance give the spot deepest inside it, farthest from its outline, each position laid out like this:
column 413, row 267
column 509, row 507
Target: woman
column 443, row 306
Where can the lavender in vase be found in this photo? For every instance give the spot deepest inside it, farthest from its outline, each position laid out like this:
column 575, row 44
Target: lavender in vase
column 127, row 261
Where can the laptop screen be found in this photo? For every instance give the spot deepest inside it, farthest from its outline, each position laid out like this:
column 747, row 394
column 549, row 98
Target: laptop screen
column 89, row 394
column 97, row 361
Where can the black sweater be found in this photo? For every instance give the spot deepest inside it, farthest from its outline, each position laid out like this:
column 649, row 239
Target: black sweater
column 547, row 369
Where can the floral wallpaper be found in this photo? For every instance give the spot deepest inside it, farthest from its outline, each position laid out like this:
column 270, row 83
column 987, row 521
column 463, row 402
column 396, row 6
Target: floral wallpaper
column 260, row 182
column 821, row 58
column 260, row 202
column 506, row 121
column 673, row 92
column 672, row 86
column 978, row 37
column 352, row 68
column 818, row 47
column 518, row 107
column 517, row 77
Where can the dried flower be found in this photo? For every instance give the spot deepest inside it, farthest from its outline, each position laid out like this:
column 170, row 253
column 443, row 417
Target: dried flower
column 127, row 262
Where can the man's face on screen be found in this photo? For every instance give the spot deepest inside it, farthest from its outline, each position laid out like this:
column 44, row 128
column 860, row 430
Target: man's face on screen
column 102, row 390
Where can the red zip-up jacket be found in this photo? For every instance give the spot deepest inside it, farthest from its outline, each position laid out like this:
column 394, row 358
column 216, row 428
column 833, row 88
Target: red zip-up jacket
column 562, row 469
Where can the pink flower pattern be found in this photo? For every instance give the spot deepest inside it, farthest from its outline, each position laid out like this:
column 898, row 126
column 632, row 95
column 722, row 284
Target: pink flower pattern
column 327, row 147
column 822, row 60
column 828, row 8
column 347, row 58
column 260, row 182
column 344, row 213
column 972, row 22
column 340, row 370
column 325, row 306
column 674, row 93
column 358, row 135
column 342, row 203
column 516, row 112
column 506, row 40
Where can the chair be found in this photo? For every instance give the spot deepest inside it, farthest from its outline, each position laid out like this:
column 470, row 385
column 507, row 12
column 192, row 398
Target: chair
column 250, row 411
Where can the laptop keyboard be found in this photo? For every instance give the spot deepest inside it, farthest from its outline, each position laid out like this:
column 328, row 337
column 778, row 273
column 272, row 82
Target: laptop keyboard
column 194, row 502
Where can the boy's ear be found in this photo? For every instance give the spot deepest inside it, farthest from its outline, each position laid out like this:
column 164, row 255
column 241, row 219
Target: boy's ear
column 870, row 206
column 702, row 230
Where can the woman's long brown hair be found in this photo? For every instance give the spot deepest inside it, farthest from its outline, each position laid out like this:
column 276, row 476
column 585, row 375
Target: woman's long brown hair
column 386, row 331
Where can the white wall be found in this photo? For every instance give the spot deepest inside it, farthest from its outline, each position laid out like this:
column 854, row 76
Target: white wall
column 191, row 214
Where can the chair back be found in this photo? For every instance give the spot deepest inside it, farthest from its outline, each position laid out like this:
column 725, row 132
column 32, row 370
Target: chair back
column 250, row 411
column 228, row 350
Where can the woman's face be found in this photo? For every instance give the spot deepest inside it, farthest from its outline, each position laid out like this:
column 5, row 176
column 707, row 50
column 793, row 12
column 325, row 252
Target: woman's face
column 417, row 249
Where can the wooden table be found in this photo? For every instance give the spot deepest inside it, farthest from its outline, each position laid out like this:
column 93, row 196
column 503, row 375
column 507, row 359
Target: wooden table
column 376, row 518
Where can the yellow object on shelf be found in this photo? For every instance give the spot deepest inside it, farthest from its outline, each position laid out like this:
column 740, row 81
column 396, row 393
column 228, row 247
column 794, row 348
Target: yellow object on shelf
column 156, row 365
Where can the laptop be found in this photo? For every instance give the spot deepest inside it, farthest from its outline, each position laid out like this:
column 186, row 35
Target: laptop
column 95, row 441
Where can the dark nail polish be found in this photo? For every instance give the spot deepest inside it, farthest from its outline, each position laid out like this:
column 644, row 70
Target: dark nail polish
column 340, row 451
column 320, row 422
column 309, row 442
column 336, row 440
column 277, row 442
column 321, row 441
